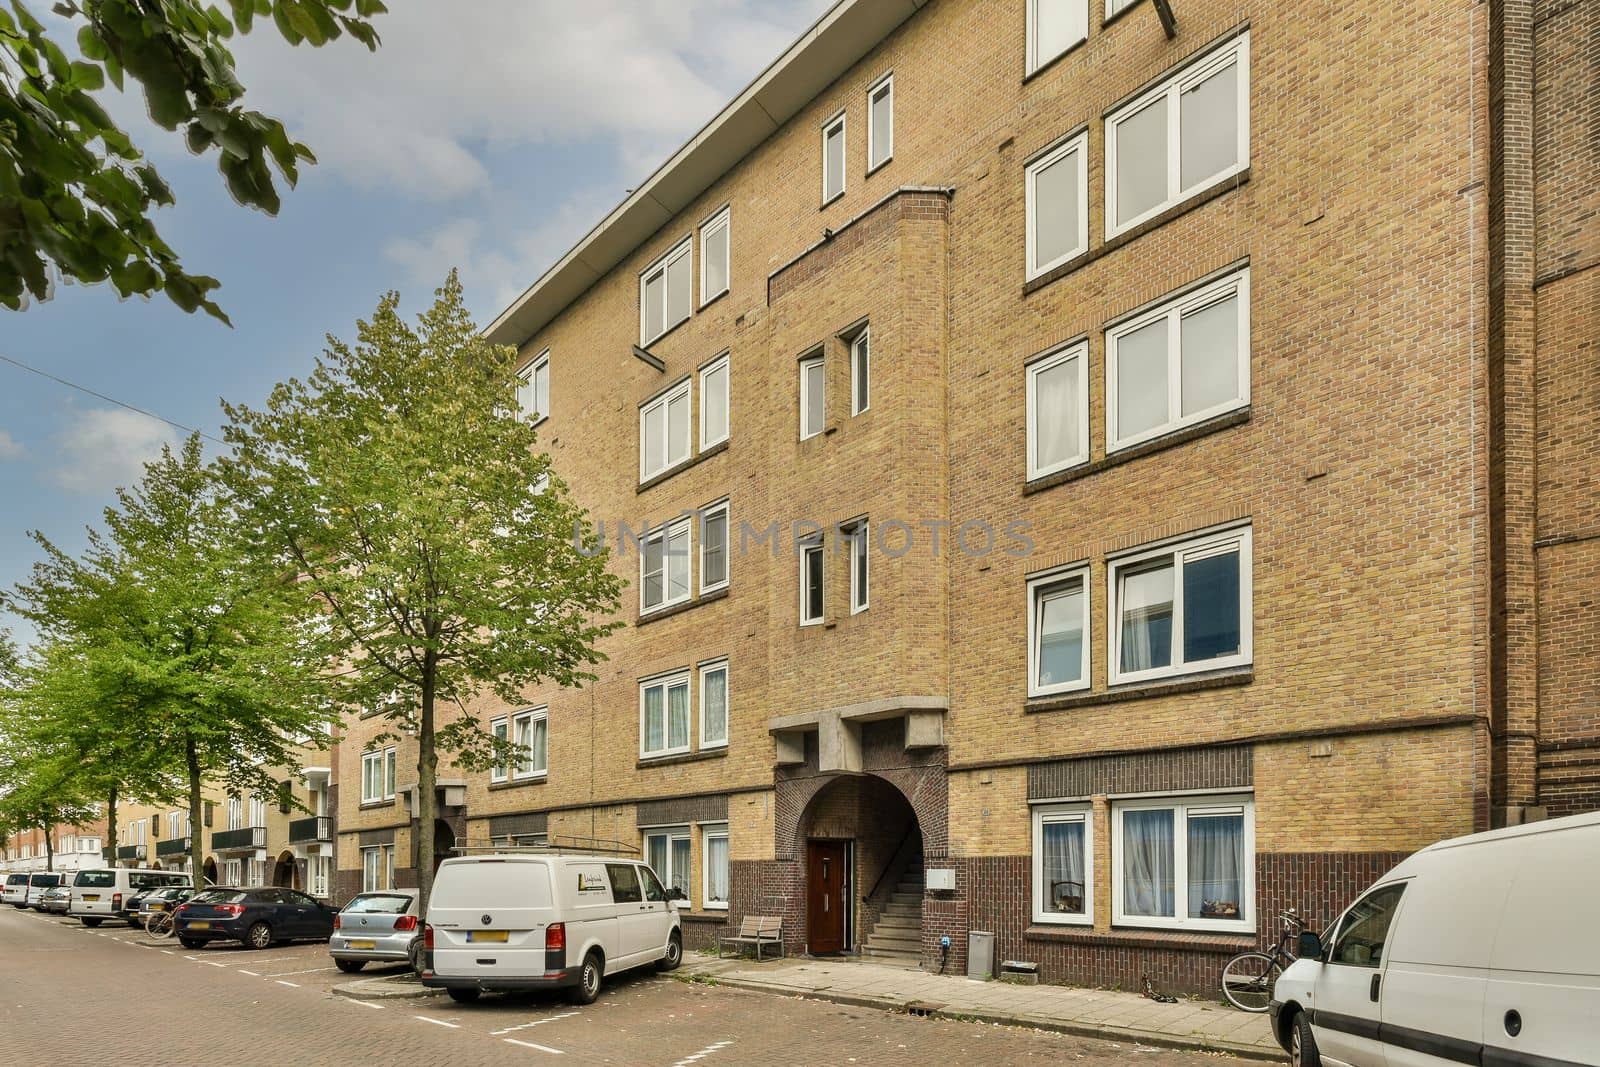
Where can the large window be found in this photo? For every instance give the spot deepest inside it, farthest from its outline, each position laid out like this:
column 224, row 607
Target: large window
column 1179, row 137
column 1181, row 608
column 1186, row 862
column 1058, row 205
column 812, row 567
column 666, row 289
column 1053, row 27
column 664, row 431
column 1058, row 632
column 714, row 547
column 880, row 122
column 860, row 371
column 533, row 388
column 714, row 704
column 1179, row 363
column 532, row 732
column 1063, row 864
column 714, row 842
column 1058, row 410
column 667, row 851
column 664, row 567
column 714, row 402
column 833, row 158
column 377, row 779
column 813, row 397
column 714, row 248
column 664, row 716
column 859, row 537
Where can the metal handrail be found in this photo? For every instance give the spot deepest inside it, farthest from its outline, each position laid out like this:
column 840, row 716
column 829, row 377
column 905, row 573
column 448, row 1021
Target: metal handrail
column 591, row 845
column 894, row 858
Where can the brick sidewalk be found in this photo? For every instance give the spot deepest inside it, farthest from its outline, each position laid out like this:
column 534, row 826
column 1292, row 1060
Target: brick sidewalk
column 1113, row 1016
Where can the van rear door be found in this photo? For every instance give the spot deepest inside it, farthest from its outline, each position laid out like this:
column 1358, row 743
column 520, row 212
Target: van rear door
column 489, row 915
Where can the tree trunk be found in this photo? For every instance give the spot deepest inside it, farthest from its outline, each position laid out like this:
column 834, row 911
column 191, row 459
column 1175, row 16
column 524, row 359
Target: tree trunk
column 427, row 773
column 49, row 849
column 191, row 756
column 111, row 829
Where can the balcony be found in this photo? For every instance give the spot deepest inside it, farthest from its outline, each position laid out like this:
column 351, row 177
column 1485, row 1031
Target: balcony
column 244, row 839
column 131, row 852
column 314, row 828
column 175, row 846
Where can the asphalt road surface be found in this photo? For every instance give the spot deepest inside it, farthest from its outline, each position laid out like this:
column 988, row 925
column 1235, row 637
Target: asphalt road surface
column 70, row 996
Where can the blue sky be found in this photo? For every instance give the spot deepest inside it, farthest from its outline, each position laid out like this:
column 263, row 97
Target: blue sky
column 488, row 136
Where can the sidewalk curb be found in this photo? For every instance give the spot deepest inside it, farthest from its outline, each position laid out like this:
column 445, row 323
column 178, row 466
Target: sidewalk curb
column 373, row 989
column 1062, row 1026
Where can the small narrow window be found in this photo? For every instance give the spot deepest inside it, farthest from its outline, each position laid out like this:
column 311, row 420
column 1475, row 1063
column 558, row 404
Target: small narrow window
column 664, row 427
column 532, row 732
column 812, row 566
column 1058, row 411
column 714, row 705
column 1053, row 27
column 860, row 540
column 714, row 547
column 833, row 158
column 665, row 293
column 1063, row 865
column 1058, row 206
column 861, row 371
column 714, row 839
column 533, row 388
column 880, row 122
column 1058, row 632
column 813, row 397
column 1114, row 6
column 664, row 567
column 714, row 257
column 501, row 729
column 714, row 402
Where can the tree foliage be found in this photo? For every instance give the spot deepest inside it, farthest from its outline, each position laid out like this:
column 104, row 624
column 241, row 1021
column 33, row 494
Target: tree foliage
column 76, row 194
column 402, row 482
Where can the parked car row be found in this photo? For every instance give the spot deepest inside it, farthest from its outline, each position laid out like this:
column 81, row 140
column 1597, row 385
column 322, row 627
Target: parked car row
column 28, row 890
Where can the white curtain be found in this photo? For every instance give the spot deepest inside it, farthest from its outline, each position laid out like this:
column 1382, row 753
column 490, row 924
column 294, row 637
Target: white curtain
column 540, row 730
column 1055, row 420
column 1216, row 859
column 716, row 870
column 1146, row 609
column 1063, row 867
column 678, row 716
column 1147, row 862
column 656, row 845
column 680, row 864
column 716, row 707
column 654, row 720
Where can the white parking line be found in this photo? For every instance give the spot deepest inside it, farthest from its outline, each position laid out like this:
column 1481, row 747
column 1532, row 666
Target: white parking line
column 211, row 963
column 438, row 1022
column 530, row 1044
column 365, row 1004
column 285, row 974
column 536, row 1022
column 291, row 985
column 252, row 974
column 689, row 1061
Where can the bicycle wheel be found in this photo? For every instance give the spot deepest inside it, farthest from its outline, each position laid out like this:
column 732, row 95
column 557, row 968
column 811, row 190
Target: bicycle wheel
column 1247, row 980
column 159, row 924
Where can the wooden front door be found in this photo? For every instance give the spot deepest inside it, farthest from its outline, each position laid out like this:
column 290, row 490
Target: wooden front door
column 827, row 896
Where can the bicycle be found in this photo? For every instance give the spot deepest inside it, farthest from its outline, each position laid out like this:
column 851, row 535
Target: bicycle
column 1247, row 979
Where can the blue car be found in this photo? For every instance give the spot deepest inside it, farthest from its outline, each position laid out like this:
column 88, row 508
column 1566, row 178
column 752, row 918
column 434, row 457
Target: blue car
column 258, row 917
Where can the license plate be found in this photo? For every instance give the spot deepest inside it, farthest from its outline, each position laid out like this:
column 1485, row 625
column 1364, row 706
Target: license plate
column 91, row 898
column 158, row 907
column 363, row 944
column 486, row 936
column 199, row 926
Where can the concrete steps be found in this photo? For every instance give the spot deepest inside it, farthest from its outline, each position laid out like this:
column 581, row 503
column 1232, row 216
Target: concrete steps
column 896, row 940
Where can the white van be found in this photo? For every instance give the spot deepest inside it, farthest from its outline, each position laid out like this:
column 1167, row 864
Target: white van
column 547, row 921
column 104, row 892
column 15, row 892
column 1479, row 950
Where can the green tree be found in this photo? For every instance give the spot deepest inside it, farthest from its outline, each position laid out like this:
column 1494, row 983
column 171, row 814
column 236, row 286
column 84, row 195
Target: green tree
column 75, row 192
column 401, row 481
column 189, row 661
column 42, row 793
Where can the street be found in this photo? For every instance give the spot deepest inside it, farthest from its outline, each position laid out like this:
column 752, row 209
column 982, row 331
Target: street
column 70, row 995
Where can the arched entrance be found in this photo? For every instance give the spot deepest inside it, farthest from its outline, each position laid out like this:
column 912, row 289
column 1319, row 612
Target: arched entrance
column 283, row 872
column 444, row 842
column 209, row 870
column 860, row 855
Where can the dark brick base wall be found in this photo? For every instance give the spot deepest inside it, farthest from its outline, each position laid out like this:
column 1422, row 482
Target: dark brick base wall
column 701, row 931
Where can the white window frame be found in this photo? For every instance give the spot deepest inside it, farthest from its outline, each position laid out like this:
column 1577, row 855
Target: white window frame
column 257, row 812
column 384, row 758
column 1183, row 806
column 1172, row 87
column 720, row 363
column 500, row 728
column 1035, row 61
column 806, row 552
column 671, row 834
column 1049, row 360
column 1063, row 813
column 529, row 377
column 859, row 533
column 235, row 813
column 666, row 683
column 816, row 359
column 722, row 220
column 232, row 873
column 1037, row 583
column 860, row 371
column 883, row 85
column 1235, row 284
column 836, row 122
column 1115, row 6
column 1077, row 146
column 531, row 716
column 708, row 832
column 705, row 670
column 665, row 534
column 1197, row 547
column 719, row 508
column 683, row 248
column 664, row 401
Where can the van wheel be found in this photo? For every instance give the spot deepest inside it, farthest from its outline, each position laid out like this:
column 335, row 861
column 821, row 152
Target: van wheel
column 90, row 923
column 588, row 986
column 674, row 955
column 258, row 936
column 1303, row 1044
column 349, row 966
column 463, row 996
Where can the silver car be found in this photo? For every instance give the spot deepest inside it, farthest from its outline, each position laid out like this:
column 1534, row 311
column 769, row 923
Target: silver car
column 381, row 927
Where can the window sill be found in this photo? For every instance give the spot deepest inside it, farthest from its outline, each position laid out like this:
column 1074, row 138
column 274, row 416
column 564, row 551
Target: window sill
column 519, row 783
column 679, row 609
column 1213, row 944
column 682, row 465
column 710, row 916
column 1233, row 676
column 664, row 333
column 828, row 202
column 1117, row 16
column 374, row 805
column 714, row 299
column 876, row 167
column 1181, row 436
column 1183, row 207
column 681, row 757
column 1053, row 60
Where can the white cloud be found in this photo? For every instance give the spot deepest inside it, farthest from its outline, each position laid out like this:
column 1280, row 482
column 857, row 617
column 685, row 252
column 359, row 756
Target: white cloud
column 104, row 448
column 10, row 447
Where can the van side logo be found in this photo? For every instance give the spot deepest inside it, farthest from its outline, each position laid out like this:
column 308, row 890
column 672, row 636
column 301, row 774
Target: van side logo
column 591, row 883
column 486, row 919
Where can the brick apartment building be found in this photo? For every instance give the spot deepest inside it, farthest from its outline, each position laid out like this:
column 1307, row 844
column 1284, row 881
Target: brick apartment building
column 68, row 848
column 1196, row 432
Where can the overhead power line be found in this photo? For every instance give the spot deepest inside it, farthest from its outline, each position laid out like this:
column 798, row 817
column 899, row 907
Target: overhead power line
column 108, row 399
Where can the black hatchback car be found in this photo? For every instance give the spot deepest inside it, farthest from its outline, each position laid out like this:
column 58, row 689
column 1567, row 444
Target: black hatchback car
column 259, row 917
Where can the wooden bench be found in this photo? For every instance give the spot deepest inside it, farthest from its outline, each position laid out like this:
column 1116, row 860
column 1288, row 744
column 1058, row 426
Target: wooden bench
column 757, row 932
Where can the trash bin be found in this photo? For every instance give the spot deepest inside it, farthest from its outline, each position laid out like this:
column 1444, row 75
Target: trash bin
column 980, row 954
